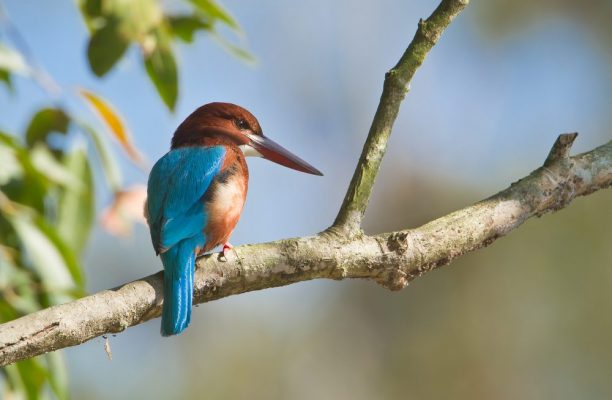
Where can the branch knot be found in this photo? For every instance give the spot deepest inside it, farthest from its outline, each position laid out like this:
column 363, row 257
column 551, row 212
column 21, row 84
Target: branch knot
column 561, row 148
column 398, row 242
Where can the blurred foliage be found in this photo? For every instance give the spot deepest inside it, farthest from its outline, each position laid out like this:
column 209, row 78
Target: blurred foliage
column 47, row 196
column 116, row 24
column 11, row 62
column 509, row 17
column 46, row 213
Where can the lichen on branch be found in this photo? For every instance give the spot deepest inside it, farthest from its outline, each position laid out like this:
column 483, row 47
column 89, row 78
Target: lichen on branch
column 395, row 87
column 391, row 259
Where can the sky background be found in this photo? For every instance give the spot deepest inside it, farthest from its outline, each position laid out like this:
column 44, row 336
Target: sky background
column 482, row 112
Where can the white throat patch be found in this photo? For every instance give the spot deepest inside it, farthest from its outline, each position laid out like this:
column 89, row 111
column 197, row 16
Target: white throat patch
column 249, row 151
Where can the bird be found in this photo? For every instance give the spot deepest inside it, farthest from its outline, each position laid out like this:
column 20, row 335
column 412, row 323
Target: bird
column 196, row 193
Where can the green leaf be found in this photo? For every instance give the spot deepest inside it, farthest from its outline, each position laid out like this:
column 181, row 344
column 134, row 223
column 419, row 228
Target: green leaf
column 106, row 46
column 67, row 254
column 161, row 68
column 185, row 26
column 26, row 378
column 48, row 166
column 11, row 167
column 5, row 77
column 58, row 374
column 11, row 60
column 15, row 386
column 32, row 186
column 52, row 260
column 76, row 204
column 111, row 170
column 214, row 11
column 44, row 122
column 134, row 18
column 234, row 50
column 16, row 284
column 91, row 10
column 137, row 18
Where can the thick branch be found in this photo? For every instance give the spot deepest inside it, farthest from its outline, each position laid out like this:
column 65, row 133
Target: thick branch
column 391, row 259
column 395, row 88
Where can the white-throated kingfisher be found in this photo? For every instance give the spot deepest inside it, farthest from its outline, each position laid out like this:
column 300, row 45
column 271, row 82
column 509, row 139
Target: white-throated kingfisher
column 196, row 192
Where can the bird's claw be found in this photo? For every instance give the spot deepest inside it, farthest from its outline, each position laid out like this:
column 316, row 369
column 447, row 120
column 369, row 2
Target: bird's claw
column 226, row 247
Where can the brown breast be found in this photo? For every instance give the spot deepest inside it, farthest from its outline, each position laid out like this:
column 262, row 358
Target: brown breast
column 225, row 199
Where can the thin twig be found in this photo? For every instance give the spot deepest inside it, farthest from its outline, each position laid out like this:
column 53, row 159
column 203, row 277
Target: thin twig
column 396, row 86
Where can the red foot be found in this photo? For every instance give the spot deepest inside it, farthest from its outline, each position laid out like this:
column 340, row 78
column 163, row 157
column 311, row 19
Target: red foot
column 226, row 248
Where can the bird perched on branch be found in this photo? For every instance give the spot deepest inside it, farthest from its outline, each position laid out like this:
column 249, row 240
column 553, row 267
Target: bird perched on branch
column 196, row 193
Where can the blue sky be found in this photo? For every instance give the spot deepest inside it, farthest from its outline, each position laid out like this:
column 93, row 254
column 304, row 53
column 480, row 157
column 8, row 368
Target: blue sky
column 480, row 113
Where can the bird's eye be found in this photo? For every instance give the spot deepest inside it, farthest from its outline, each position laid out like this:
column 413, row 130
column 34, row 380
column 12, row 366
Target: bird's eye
column 242, row 124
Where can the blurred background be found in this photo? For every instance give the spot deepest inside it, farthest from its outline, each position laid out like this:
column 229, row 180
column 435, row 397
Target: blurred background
column 528, row 317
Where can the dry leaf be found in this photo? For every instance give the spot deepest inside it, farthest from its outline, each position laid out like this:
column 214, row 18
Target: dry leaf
column 115, row 125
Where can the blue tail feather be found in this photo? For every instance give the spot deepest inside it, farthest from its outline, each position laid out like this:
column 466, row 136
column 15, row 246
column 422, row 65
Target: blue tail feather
column 179, row 265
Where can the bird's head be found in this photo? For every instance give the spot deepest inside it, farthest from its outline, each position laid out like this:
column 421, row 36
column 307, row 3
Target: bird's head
column 229, row 123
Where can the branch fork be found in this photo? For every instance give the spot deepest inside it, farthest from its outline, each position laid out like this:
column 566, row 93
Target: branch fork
column 343, row 250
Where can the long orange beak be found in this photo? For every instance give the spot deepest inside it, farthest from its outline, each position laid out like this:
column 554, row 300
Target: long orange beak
column 273, row 151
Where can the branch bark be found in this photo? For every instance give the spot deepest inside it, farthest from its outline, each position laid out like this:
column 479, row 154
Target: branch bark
column 391, row 259
column 395, row 88
column 343, row 251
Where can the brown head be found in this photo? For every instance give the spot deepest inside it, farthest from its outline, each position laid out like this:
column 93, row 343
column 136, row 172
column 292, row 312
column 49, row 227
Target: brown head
column 229, row 124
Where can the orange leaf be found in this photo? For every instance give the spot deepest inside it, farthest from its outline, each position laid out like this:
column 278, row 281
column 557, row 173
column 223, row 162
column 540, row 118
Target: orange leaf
column 115, row 125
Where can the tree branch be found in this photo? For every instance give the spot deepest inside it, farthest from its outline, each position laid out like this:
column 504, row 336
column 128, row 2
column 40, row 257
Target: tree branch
column 391, row 259
column 329, row 255
column 395, row 88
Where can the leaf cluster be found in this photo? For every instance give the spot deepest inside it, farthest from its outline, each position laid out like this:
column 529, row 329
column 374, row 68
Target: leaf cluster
column 48, row 172
column 115, row 25
column 46, row 214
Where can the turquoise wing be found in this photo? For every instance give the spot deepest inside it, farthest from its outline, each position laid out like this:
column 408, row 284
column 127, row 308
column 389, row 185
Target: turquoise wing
column 177, row 184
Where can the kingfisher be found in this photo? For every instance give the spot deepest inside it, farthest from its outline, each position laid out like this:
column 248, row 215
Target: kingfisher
column 196, row 192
